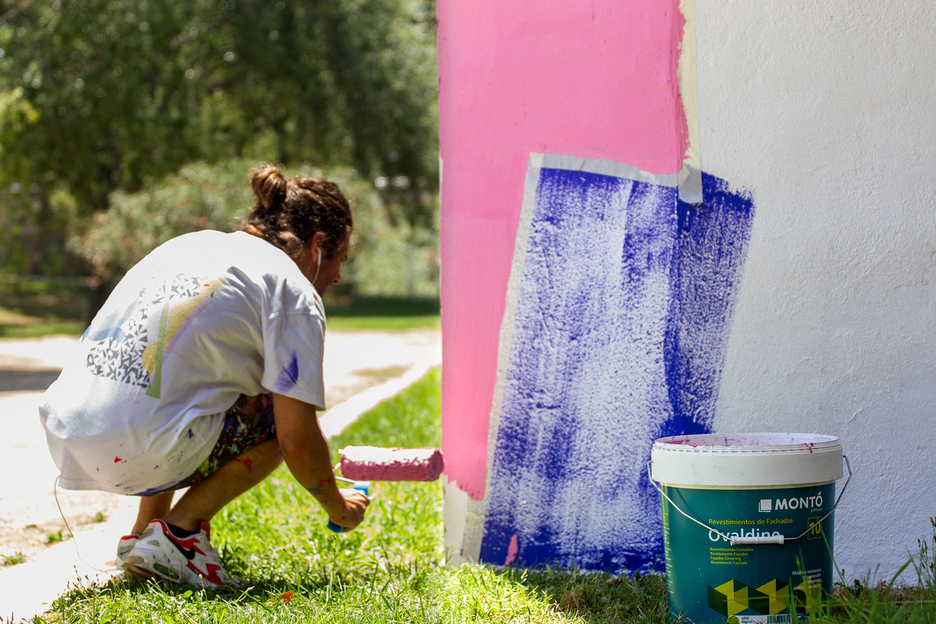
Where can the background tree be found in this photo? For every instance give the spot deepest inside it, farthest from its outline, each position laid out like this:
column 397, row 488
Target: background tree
column 100, row 99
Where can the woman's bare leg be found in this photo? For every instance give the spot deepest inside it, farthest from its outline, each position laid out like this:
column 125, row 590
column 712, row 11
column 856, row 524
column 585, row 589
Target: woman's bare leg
column 152, row 507
column 206, row 498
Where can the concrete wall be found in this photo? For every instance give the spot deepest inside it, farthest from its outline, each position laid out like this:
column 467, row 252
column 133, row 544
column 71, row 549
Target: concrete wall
column 826, row 111
column 588, row 307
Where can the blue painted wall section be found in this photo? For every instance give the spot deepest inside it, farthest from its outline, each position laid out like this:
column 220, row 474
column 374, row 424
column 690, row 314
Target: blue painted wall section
column 619, row 335
column 712, row 245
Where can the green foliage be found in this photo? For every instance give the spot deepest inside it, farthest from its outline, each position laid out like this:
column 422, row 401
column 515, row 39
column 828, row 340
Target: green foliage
column 16, row 113
column 399, row 259
column 33, row 227
column 384, row 260
column 99, row 98
column 108, row 83
column 198, row 197
column 101, row 94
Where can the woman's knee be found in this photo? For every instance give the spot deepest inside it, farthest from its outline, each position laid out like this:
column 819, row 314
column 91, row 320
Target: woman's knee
column 269, row 451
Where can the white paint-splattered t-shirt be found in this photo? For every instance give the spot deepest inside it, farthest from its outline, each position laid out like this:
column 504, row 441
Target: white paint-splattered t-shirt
column 203, row 319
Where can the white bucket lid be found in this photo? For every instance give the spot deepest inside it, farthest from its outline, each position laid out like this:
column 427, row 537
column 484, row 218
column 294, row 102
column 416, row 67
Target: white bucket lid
column 746, row 460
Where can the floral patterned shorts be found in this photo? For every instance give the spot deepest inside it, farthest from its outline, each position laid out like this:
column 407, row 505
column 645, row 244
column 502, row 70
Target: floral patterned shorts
column 246, row 424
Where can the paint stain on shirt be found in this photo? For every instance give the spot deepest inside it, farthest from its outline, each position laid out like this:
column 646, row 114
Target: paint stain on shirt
column 289, row 376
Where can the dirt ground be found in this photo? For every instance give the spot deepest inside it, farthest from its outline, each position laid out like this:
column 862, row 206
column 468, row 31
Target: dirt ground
column 30, row 520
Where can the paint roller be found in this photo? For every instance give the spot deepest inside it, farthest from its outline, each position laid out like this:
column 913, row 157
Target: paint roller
column 360, row 465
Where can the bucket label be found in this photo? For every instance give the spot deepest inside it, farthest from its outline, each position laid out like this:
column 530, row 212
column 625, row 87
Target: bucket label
column 711, row 580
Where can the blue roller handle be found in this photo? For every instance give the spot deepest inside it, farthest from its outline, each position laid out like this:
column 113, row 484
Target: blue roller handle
column 360, row 486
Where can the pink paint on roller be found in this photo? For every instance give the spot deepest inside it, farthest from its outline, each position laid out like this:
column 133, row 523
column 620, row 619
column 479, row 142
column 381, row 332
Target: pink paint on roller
column 371, row 463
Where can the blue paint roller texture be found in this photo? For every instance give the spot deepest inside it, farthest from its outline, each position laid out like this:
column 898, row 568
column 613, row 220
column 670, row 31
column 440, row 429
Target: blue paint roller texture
column 619, row 337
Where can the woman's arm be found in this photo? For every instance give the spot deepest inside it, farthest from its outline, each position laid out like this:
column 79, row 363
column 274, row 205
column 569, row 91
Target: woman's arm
column 306, row 453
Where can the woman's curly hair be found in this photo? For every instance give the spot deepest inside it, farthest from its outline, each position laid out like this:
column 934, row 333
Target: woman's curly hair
column 287, row 214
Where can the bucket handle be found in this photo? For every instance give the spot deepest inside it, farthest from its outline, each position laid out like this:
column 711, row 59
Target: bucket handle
column 769, row 539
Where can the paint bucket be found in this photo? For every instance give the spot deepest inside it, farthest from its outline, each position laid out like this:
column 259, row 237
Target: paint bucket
column 747, row 523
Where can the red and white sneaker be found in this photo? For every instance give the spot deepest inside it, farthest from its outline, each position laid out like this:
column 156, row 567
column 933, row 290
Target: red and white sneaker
column 189, row 559
column 124, row 546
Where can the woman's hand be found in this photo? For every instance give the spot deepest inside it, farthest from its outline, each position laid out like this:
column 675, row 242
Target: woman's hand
column 355, row 503
column 306, row 453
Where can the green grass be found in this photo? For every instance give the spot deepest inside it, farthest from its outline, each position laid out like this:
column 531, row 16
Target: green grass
column 388, row 570
column 12, row 560
column 52, row 538
column 391, row 570
column 31, row 308
column 36, row 307
column 382, row 323
column 38, row 330
column 382, row 313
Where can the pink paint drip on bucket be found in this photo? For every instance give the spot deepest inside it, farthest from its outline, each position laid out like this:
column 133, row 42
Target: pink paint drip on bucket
column 747, row 523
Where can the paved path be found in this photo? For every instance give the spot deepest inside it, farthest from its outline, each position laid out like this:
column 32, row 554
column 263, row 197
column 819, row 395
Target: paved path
column 361, row 369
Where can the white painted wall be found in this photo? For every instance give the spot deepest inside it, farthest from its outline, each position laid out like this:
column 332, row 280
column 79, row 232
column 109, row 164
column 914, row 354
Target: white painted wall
column 826, row 110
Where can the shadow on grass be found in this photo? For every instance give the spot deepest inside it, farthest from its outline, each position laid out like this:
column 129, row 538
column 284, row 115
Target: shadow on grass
column 45, row 313
column 597, row 597
column 45, row 299
column 117, row 594
column 19, row 381
column 358, row 306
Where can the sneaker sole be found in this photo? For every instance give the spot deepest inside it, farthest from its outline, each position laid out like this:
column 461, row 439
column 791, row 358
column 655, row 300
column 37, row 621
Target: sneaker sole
column 160, row 569
column 140, row 573
column 154, row 564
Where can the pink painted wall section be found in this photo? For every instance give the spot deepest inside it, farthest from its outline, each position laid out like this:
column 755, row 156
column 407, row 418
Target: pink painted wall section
column 590, row 79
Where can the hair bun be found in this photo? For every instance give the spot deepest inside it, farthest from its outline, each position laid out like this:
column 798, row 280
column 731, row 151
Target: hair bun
column 288, row 214
column 269, row 186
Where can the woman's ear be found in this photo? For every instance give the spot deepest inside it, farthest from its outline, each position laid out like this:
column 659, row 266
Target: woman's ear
column 318, row 239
